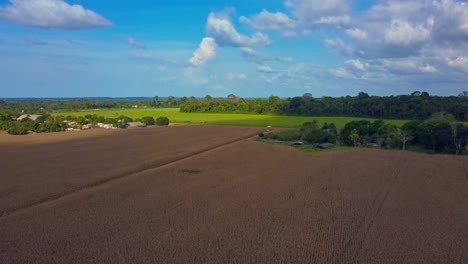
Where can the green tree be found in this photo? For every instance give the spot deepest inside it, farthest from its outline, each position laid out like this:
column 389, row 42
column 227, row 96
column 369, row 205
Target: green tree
column 156, row 102
column 436, row 134
column 232, row 98
column 354, row 136
column 162, row 121
column 148, row 120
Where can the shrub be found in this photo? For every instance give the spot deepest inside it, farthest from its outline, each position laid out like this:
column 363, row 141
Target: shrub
column 287, row 135
column 148, row 120
column 162, row 121
column 318, row 136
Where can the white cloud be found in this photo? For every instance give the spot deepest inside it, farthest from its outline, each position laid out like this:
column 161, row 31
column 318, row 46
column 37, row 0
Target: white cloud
column 356, row 33
column 356, row 64
column 205, row 52
column 459, row 62
column 399, row 29
column 136, row 44
column 271, row 21
column 402, row 33
column 220, row 27
column 264, row 69
column 428, row 68
column 52, row 14
column 391, row 9
column 450, row 21
column 320, row 12
column 333, row 20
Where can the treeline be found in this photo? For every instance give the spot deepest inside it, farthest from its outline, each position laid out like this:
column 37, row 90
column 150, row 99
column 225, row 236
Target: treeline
column 48, row 123
column 415, row 106
column 440, row 134
column 44, row 106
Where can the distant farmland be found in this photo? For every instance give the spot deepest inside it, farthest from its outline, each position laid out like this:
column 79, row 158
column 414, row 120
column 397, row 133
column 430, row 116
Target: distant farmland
column 223, row 119
column 212, row 194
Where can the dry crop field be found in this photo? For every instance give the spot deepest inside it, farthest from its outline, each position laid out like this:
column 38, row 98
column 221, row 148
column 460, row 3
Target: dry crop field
column 214, row 195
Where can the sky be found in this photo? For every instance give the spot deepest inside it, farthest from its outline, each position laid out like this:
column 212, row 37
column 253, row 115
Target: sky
column 255, row 48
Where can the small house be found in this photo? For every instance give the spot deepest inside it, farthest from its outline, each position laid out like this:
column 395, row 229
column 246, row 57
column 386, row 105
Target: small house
column 135, row 124
column 26, row 116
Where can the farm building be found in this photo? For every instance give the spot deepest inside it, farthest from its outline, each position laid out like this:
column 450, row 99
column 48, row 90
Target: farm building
column 32, row 117
column 135, row 124
column 106, row 126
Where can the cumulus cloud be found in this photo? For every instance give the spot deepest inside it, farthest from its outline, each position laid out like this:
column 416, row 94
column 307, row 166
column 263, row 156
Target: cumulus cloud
column 205, row 52
column 375, row 70
column 428, row 68
column 402, row 33
column 356, row 64
column 136, row 44
column 459, row 62
column 406, row 66
column 356, row 33
column 52, row 14
column 271, row 21
column 450, row 21
column 320, row 12
column 220, row 27
column 333, row 20
column 265, row 69
column 399, row 29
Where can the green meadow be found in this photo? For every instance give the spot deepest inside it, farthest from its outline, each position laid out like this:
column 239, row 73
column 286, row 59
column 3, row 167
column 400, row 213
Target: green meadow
column 223, row 119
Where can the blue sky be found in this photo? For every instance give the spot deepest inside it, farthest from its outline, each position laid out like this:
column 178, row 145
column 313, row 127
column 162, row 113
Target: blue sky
column 57, row 48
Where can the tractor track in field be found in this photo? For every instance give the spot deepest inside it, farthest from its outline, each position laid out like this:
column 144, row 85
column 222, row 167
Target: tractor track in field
column 353, row 245
column 125, row 175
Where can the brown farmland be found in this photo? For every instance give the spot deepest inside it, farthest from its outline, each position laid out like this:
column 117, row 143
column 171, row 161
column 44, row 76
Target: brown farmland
column 241, row 202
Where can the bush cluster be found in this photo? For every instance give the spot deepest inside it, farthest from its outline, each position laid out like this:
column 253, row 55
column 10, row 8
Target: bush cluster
column 162, row 121
column 440, row 134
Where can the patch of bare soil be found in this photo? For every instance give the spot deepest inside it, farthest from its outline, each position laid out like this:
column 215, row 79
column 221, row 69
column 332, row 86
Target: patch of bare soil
column 42, row 167
column 252, row 202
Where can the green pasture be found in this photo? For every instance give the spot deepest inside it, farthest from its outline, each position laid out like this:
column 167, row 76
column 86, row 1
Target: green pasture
column 223, row 119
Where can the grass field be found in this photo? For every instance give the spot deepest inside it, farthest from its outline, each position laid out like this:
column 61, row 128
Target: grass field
column 224, row 119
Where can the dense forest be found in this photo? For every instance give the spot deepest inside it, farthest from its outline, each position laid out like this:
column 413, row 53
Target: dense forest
column 415, row 106
column 41, row 106
column 418, row 105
